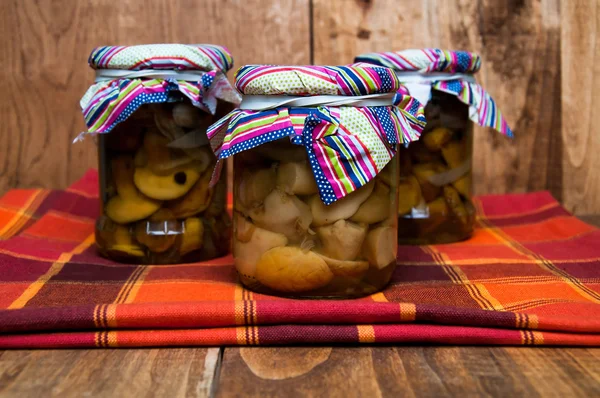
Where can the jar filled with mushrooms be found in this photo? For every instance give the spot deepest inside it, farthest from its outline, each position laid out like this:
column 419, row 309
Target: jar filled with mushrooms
column 149, row 109
column 315, row 178
column 435, row 202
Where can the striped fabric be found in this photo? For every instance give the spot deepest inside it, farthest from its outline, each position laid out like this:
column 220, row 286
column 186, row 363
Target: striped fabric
column 483, row 109
column 529, row 276
column 109, row 103
column 347, row 146
column 206, row 57
column 315, row 80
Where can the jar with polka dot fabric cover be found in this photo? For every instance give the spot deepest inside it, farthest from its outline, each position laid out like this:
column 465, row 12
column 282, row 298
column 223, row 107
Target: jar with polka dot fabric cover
column 434, row 204
column 315, row 177
column 150, row 108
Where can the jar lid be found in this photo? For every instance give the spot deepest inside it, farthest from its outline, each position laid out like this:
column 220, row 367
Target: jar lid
column 422, row 70
column 203, row 57
column 326, row 110
column 357, row 79
column 425, row 60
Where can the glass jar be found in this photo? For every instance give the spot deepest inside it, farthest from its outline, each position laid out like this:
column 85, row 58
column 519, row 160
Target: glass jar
column 434, row 204
column 287, row 242
column 150, row 108
column 157, row 206
column 315, row 177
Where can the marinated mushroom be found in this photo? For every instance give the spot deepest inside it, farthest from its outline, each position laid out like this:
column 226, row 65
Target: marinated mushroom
column 342, row 240
column 454, row 154
column 455, row 204
column 123, row 244
column 253, row 187
column 253, row 244
column 296, row 178
column 355, row 268
column 284, row 214
column 463, row 185
column 129, row 204
column 165, row 187
column 193, row 235
column 292, row 270
column 243, row 229
column 409, row 194
column 423, row 172
column 380, row 247
column 196, row 200
column 435, row 139
column 377, row 206
column 438, row 208
column 342, row 209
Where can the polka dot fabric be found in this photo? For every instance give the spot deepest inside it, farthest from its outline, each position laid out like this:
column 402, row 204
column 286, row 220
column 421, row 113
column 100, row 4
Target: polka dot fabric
column 425, row 60
column 357, row 79
column 204, row 57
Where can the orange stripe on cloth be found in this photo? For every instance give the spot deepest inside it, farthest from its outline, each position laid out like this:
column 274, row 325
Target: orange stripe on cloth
column 408, row 312
column 56, row 267
column 547, row 265
column 379, row 297
column 477, row 291
column 366, row 333
column 23, row 215
column 133, row 284
column 556, row 228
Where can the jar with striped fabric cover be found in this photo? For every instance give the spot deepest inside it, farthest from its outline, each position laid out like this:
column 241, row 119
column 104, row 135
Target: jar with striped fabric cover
column 149, row 108
column 315, row 177
column 435, row 187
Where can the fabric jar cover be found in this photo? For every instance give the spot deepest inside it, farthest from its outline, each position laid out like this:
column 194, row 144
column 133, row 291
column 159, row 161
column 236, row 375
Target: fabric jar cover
column 346, row 145
column 112, row 100
column 432, row 62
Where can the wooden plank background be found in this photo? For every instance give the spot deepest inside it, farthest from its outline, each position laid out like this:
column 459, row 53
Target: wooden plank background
column 540, row 62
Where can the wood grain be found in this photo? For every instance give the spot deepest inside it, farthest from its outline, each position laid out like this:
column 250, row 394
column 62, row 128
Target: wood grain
column 519, row 41
column 593, row 219
column 580, row 50
column 181, row 372
column 414, row 371
column 43, row 65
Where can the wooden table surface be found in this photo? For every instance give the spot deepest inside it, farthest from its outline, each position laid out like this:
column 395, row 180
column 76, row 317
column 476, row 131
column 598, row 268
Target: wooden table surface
column 340, row 371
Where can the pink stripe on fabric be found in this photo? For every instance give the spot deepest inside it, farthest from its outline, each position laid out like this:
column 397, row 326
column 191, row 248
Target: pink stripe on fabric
column 115, row 112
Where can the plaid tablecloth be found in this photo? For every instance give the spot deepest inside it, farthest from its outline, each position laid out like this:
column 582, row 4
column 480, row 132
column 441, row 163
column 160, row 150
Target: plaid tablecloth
column 530, row 276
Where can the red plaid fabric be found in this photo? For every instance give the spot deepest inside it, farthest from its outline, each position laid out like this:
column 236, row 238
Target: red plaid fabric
column 529, row 276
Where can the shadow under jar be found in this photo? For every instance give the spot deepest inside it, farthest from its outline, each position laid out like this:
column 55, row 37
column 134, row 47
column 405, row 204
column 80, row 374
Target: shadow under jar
column 287, row 242
column 434, row 204
column 157, row 207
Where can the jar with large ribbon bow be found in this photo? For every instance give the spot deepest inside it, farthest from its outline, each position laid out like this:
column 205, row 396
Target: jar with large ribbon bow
column 315, row 176
column 149, row 108
column 435, row 204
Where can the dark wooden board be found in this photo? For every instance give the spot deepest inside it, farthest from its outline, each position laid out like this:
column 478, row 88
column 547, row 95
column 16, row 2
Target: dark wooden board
column 302, row 372
column 160, row 372
column 409, row 371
